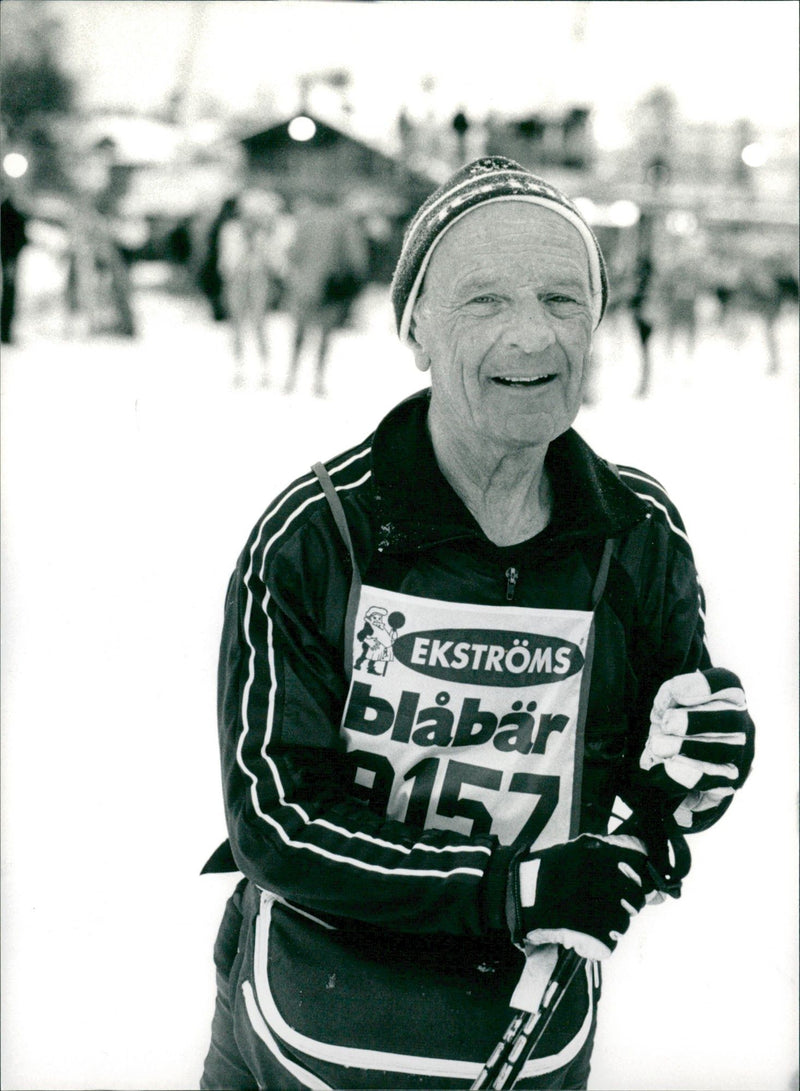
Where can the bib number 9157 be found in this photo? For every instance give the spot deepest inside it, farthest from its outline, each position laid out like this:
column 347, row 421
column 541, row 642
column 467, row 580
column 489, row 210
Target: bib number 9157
column 424, row 804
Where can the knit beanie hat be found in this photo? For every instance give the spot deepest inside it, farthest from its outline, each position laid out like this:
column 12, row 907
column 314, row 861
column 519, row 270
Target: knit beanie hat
column 492, row 178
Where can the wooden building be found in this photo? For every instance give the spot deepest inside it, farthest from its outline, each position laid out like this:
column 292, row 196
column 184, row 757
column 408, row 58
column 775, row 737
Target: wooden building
column 304, row 156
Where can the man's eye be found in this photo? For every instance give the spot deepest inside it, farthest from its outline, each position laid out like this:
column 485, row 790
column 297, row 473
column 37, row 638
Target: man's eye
column 562, row 299
column 483, row 299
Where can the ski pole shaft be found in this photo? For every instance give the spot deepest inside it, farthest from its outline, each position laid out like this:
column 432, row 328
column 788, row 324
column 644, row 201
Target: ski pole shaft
column 525, row 1030
column 500, row 1051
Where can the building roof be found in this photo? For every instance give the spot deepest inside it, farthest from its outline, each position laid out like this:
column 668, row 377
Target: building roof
column 279, row 136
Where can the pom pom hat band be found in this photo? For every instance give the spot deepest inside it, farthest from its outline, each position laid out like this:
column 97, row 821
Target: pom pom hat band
column 492, row 178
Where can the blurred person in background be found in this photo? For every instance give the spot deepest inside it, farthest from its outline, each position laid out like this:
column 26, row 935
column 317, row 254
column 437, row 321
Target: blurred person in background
column 252, row 260
column 209, row 276
column 82, row 293
column 447, row 654
column 641, row 300
column 750, row 282
column 13, row 239
column 97, row 288
column 761, row 293
column 725, row 275
column 681, row 286
column 327, row 271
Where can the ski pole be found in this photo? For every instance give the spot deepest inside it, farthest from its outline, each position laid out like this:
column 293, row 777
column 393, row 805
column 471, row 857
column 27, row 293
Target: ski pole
column 526, row 1028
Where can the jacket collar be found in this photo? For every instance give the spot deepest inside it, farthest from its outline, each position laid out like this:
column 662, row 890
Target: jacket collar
column 417, row 507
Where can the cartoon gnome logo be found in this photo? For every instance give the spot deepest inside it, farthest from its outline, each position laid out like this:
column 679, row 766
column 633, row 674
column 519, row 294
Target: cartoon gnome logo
column 376, row 636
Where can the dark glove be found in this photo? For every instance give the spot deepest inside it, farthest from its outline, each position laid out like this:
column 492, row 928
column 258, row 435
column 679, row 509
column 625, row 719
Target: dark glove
column 581, row 894
column 701, row 732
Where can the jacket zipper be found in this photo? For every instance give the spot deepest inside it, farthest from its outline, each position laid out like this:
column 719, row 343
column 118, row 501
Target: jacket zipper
column 512, row 575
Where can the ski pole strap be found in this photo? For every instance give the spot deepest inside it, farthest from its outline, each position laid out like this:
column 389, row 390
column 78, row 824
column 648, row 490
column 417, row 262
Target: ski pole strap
column 526, row 1029
column 668, row 856
column 602, row 572
column 339, row 517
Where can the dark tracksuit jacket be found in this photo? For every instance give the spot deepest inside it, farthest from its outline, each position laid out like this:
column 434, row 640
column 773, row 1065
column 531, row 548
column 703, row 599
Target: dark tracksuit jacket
column 376, row 952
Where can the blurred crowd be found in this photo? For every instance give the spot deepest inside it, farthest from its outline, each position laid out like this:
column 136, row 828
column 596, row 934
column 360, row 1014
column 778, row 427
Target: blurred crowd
column 676, row 280
column 257, row 253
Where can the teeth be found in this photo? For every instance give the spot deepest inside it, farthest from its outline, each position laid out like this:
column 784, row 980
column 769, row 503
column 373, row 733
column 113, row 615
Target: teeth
column 531, row 380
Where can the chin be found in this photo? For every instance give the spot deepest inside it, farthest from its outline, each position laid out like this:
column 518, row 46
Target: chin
column 533, row 430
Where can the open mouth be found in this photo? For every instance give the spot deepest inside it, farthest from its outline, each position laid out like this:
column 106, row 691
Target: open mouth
column 523, row 381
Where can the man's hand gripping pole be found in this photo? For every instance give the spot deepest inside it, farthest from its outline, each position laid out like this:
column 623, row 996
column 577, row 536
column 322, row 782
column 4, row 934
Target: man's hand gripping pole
column 668, row 862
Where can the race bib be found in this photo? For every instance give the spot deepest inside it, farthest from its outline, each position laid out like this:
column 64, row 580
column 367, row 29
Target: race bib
column 469, row 718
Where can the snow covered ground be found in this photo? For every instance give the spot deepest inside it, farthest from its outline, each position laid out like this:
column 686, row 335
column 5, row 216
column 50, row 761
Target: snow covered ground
column 132, row 473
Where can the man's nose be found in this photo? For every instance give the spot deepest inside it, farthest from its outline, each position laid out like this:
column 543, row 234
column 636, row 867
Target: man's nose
column 529, row 327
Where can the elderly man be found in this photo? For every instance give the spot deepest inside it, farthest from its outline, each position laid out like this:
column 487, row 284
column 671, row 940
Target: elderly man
column 412, row 839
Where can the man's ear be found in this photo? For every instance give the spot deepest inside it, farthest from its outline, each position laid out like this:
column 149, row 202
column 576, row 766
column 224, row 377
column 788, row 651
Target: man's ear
column 421, row 357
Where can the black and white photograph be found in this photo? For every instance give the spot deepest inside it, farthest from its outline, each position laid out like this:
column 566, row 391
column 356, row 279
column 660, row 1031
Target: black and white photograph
column 399, row 492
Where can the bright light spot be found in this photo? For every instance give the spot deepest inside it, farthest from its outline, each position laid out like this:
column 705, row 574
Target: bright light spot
column 15, row 164
column 301, row 128
column 754, row 155
column 623, row 213
column 680, row 222
column 617, row 214
column 587, row 208
column 609, row 131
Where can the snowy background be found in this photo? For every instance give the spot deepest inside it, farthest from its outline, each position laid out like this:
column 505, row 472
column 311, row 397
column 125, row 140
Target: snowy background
column 132, row 473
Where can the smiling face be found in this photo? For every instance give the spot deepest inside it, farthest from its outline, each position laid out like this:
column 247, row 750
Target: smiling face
column 504, row 323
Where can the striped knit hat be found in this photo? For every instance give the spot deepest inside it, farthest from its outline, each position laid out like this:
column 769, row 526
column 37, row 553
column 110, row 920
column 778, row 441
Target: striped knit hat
column 492, row 178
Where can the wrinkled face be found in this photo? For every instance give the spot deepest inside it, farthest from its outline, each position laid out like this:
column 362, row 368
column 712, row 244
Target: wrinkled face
column 504, row 323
